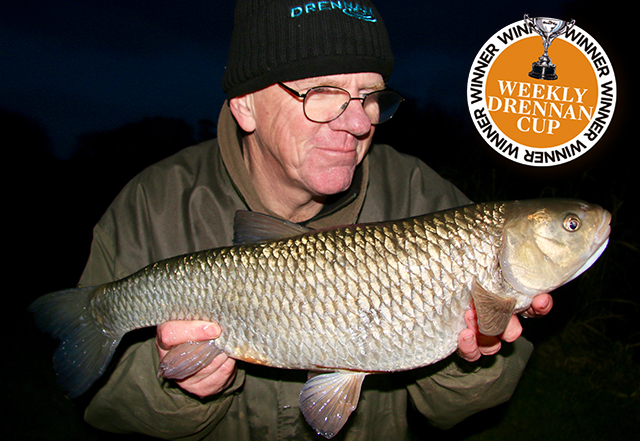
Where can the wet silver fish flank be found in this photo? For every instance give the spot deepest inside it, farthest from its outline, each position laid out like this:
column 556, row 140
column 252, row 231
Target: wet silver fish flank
column 347, row 301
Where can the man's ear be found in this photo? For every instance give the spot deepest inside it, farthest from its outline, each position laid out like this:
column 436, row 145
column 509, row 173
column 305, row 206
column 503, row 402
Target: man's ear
column 242, row 109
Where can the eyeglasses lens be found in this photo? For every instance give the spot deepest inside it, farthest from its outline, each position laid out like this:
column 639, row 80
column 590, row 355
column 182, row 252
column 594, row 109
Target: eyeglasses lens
column 324, row 104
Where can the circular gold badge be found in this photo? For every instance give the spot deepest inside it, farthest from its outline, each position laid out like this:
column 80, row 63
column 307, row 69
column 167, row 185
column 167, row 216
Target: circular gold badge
column 541, row 92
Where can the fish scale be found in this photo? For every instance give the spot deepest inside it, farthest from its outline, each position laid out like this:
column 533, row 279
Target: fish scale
column 349, row 257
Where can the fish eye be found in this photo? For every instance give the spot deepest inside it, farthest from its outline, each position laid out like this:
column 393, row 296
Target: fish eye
column 571, row 223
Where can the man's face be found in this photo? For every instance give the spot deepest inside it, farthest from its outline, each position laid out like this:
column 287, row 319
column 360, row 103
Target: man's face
column 317, row 157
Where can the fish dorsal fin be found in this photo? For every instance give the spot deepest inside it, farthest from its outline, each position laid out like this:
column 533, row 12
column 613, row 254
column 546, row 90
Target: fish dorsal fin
column 493, row 311
column 327, row 400
column 252, row 227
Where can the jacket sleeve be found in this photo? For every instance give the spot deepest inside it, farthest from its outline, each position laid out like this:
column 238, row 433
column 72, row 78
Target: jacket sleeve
column 452, row 390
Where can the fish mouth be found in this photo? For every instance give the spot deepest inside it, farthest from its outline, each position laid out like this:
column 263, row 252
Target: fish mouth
column 600, row 240
column 604, row 229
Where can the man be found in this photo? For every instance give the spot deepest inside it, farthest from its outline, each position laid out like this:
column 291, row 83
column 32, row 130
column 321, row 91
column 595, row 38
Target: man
column 305, row 90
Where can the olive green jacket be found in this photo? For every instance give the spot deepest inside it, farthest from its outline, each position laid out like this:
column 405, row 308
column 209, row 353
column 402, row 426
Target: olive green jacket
column 186, row 203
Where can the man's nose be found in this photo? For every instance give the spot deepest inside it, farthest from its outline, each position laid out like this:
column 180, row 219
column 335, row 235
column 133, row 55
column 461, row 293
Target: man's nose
column 353, row 120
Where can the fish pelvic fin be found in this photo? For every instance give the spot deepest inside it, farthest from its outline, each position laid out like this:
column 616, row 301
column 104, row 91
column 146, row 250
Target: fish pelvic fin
column 188, row 358
column 85, row 348
column 327, row 400
column 493, row 311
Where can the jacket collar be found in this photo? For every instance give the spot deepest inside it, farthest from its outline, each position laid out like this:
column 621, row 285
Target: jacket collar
column 341, row 209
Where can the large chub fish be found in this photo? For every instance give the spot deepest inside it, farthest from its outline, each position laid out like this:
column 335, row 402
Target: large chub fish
column 347, row 302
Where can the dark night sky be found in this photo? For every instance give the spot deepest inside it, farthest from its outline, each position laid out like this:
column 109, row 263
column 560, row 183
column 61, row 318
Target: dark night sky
column 79, row 66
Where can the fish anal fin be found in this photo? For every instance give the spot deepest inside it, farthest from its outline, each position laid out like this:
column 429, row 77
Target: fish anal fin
column 186, row 359
column 252, row 227
column 327, row 400
column 493, row 311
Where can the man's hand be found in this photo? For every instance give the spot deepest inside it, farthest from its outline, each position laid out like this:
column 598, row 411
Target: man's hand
column 472, row 344
column 210, row 380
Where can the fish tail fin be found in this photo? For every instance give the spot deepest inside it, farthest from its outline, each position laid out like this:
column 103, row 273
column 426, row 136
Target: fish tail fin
column 85, row 349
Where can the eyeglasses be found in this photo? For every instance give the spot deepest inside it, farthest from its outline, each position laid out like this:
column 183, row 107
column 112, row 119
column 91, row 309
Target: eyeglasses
column 323, row 104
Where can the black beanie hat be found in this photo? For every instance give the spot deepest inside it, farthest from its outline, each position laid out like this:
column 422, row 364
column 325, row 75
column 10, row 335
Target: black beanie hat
column 287, row 40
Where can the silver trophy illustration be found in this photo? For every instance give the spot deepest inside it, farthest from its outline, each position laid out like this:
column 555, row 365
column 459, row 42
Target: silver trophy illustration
column 549, row 29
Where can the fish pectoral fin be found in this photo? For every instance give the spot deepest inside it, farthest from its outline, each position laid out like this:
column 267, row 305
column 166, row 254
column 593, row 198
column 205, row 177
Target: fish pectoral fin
column 186, row 359
column 327, row 400
column 493, row 311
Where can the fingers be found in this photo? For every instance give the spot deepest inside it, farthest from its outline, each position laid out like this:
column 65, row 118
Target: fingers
column 468, row 346
column 513, row 330
column 540, row 306
column 213, row 379
column 173, row 333
column 472, row 344
column 210, row 380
